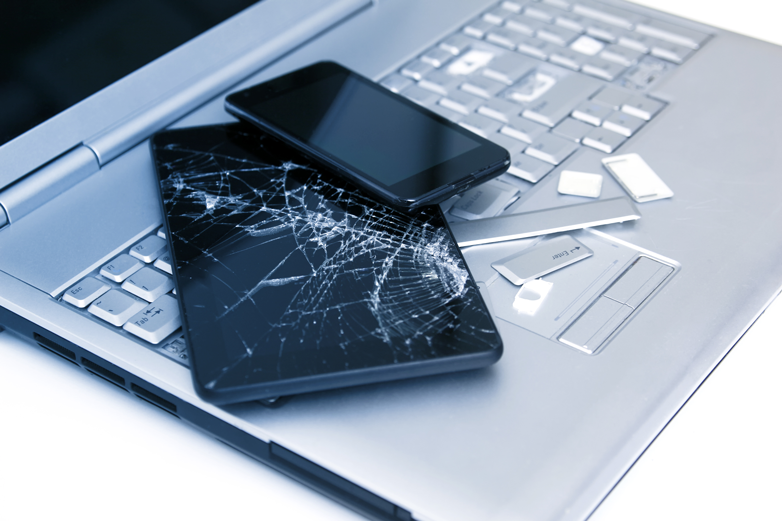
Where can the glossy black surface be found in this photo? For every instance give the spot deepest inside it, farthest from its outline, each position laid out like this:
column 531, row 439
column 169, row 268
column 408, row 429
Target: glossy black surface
column 292, row 280
column 54, row 53
column 404, row 154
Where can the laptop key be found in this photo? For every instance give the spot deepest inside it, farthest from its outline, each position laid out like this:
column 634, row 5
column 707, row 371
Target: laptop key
column 542, row 12
column 639, row 42
column 606, row 13
column 481, row 125
column 572, row 129
column 523, row 129
column 587, row 45
column 562, row 4
column 499, row 109
column 456, row 43
column 416, row 69
column 462, row 102
column 440, row 82
column 148, row 284
column 82, row 294
column 611, row 97
column 164, row 263
column 592, row 112
column 436, row 57
column 602, row 31
column 572, row 21
column 568, row 58
column 482, row 86
column 514, row 6
column 513, row 146
column 672, row 52
column 523, row 24
column 122, row 267
column 497, row 15
column 509, row 68
column 603, row 139
column 556, row 104
column 448, row 114
column 603, row 68
column 149, row 249
column 557, row 35
column 672, row 33
column 116, row 307
column 156, row 321
column 641, row 107
column 478, row 28
column 420, row 95
column 536, row 47
column 621, row 55
column 529, row 168
column 396, row 82
column 551, row 149
column 622, row 123
column 641, row 182
column 485, row 200
column 504, row 37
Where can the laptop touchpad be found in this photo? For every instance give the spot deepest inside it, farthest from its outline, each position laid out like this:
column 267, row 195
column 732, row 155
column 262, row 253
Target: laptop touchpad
column 587, row 301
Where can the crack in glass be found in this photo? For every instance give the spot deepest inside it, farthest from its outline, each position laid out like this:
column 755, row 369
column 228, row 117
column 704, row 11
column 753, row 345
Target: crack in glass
column 306, row 275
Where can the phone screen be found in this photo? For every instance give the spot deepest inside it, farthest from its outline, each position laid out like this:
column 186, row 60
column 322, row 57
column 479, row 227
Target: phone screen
column 366, row 127
column 404, row 153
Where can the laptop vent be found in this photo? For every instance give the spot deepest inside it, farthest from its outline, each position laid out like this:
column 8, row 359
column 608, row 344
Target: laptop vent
column 57, row 349
column 104, row 373
column 154, row 399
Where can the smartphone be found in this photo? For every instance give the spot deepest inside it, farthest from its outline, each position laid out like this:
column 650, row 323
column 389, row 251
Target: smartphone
column 290, row 280
column 402, row 153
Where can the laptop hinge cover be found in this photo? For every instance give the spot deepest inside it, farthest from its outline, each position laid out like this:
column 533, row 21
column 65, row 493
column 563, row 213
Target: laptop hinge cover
column 45, row 183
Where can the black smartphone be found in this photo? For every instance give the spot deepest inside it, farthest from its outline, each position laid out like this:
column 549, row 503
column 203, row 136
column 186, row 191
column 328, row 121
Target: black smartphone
column 290, row 280
column 404, row 154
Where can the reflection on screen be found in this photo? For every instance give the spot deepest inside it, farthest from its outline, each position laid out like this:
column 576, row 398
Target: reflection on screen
column 366, row 127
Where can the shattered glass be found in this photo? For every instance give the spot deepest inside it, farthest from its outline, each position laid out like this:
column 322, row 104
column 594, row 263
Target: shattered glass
column 287, row 273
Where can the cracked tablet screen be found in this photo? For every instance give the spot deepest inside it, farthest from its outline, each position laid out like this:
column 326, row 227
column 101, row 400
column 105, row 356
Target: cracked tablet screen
column 285, row 272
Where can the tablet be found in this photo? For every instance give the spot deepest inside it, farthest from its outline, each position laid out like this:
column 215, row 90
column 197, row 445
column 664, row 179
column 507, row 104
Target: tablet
column 290, row 280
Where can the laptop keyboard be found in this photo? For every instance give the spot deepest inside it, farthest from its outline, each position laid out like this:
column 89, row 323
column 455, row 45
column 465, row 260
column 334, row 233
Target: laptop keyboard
column 544, row 79
column 134, row 294
column 541, row 78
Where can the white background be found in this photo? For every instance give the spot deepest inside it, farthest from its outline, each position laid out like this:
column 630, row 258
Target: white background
column 73, row 446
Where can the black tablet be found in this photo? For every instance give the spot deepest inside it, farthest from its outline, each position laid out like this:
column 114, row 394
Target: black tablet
column 402, row 153
column 290, row 280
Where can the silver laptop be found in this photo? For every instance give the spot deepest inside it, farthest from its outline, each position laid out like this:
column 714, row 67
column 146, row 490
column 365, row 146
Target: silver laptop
column 589, row 377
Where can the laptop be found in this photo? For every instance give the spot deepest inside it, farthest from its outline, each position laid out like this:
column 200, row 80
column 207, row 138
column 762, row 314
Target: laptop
column 549, row 430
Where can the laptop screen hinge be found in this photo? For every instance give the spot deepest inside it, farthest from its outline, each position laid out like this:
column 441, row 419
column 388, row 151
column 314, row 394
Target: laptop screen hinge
column 44, row 184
